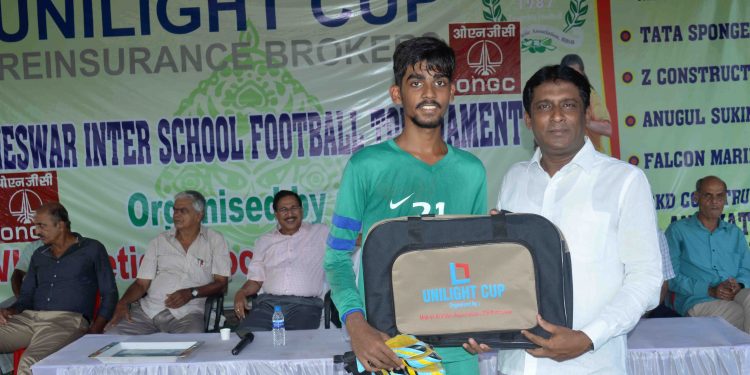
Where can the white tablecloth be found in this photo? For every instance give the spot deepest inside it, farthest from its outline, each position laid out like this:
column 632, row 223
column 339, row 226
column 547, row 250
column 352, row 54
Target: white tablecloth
column 306, row 352
column 671, row 346
column 677, row 346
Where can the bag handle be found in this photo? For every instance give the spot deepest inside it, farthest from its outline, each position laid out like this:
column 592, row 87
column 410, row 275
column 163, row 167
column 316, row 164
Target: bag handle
column 498, row 227
column 415, row 230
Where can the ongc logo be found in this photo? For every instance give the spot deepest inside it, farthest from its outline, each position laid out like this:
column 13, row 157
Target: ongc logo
column 22, row 205
column 488, row 58
column 21, row 194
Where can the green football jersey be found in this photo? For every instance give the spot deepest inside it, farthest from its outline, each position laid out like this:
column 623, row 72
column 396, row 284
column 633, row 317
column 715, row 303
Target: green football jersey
column 382, row 182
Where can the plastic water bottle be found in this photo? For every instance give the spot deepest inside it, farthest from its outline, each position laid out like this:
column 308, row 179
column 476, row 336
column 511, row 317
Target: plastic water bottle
column 279, row 332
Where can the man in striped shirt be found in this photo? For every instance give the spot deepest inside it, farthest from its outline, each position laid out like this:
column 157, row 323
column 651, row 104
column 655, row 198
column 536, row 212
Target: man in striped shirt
column 288, row 264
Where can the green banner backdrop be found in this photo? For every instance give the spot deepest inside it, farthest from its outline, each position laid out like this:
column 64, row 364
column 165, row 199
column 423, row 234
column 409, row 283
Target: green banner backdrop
column 114, row 106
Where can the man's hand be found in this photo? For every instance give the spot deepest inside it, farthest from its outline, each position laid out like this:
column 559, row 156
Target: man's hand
column 122, row 311
column 178, row 298
column 5, row 314
column 240, row 305
column 475, row 348
column 369, row 345
column 97, row 326
column 564, row 344
column 726, row 291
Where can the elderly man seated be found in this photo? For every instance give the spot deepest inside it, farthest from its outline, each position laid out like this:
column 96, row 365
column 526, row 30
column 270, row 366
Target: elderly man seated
column 288, row 264
column 180, row 268
column 711, row 260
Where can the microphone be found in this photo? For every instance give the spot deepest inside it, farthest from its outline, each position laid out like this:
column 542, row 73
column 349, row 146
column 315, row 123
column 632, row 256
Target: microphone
column 248, row 338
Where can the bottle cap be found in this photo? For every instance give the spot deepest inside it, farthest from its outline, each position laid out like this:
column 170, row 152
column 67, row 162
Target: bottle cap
column 277, row 308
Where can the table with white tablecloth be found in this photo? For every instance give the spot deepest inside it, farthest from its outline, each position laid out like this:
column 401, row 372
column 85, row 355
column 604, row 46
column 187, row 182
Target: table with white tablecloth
column 697, row 346
column 306, row 352
column 671, row 346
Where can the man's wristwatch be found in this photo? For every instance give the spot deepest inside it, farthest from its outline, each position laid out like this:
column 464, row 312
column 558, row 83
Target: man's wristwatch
column 194, row 292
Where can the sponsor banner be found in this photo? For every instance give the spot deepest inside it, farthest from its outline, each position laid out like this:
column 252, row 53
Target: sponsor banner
column 126, row 103
column 684, row 114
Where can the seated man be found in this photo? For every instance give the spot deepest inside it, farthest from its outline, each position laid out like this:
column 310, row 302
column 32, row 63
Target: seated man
column 19, row 272
column 710, row 259
column 288, row 264
column 59, row 293
column 180, row 268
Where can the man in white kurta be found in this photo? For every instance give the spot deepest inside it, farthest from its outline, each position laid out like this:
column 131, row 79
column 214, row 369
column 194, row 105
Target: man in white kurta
column 604, row 209
column 180, row 268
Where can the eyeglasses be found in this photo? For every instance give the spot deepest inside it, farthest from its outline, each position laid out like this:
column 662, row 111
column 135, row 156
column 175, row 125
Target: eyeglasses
column 180, row 211
column 714, row 197
column 286, row 210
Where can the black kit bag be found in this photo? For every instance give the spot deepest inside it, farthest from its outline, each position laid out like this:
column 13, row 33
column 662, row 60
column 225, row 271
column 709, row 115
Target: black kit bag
column 447, row 278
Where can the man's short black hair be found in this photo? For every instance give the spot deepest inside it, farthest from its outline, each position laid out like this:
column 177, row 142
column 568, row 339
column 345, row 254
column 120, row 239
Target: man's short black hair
column 285, row 193
column 438, row 56
column 573, row 59
column 56, row 211
column 552, row 73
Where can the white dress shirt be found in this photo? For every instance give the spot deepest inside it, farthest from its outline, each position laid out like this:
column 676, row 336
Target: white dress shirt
column 291, row 265
column 604, row 209
column 171, row 268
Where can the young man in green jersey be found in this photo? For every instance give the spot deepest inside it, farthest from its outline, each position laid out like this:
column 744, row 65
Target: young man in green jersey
column 416, row 173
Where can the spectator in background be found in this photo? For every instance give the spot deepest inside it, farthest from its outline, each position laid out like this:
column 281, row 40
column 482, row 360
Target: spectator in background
column 57, row 299
column 599, row 128
column 288, row 265
column 711, row 260
column 180, row 268
column 19, row 272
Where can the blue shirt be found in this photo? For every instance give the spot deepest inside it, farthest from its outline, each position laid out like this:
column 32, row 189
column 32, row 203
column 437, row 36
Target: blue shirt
column 702, row 259
column 70, row 282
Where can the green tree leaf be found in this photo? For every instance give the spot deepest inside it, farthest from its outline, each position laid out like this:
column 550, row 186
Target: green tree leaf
column 493, row 10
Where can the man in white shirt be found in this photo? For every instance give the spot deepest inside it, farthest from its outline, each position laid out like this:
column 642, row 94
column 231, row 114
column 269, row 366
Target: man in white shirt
column 288, row 264
column 180, row 268
column 604, row 209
